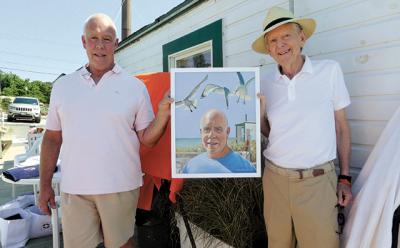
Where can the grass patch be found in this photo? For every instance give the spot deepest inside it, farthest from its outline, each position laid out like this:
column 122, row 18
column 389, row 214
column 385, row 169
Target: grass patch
column 229, row 209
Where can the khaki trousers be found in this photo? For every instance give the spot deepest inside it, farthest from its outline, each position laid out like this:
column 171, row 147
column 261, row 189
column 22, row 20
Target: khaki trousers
column 89, row 219
column 299, row 207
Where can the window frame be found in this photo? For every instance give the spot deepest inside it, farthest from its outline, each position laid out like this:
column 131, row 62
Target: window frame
column 194, row 40
column 200, row 48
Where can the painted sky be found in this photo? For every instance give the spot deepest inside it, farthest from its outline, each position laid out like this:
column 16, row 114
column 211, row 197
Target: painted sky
column 187, row 124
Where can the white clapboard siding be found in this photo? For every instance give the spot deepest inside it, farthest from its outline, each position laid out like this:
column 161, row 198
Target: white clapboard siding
column 239, row 35
column 366, row 132
column 352, row 13
column 374, row 83
column 247, row 18
column 145, row 48
column 355, row 36
column 375, row 58
column 363, row 36
column 359, row 154
column 308, row 7
column 381, row 109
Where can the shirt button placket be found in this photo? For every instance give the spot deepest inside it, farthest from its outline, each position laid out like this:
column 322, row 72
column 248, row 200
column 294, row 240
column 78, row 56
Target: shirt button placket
column 291, row 91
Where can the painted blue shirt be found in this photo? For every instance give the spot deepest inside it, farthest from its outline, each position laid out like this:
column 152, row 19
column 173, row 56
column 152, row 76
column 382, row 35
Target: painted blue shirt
column 230, row 163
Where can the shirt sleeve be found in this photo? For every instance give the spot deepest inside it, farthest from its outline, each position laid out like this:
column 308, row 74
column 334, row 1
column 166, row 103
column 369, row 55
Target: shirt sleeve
column 145, row 114
column 53, row 119
column 340, row 97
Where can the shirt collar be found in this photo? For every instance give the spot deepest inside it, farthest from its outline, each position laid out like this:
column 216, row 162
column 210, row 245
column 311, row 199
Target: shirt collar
column 116, row 69
column 307, row 68
column 86, row 74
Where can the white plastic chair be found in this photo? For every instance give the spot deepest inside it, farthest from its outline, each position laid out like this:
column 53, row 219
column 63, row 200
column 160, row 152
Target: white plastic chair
column 31, row 139
column 34, row 144
column 20, row 158
column 33, row 149
column 55, row 221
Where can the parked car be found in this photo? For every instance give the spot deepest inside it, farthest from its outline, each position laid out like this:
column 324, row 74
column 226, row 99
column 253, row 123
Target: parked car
column 24, row 108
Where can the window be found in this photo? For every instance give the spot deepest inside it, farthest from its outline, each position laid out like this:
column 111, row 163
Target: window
column 197, row 56
column 22, row 100
column 200, row 48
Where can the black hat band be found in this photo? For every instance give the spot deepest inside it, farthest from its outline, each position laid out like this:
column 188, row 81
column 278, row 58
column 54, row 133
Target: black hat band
column 277, row 21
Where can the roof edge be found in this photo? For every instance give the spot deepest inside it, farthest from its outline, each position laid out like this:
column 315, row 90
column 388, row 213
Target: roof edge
column 159, row 22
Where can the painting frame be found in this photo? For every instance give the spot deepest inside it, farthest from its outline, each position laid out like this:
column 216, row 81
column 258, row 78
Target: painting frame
column 198, row 90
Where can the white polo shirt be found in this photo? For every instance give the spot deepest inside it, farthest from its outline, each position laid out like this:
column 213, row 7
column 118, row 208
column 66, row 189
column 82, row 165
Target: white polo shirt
column 301, row 114
column 100, row 149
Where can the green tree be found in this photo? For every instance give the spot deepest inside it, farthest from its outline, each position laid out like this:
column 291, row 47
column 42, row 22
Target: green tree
column 7, row 78
column 4, row 103
column 13, row 85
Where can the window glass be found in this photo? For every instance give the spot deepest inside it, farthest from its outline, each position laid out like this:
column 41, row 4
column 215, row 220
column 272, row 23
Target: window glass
column 26, row 101
column 202, row 59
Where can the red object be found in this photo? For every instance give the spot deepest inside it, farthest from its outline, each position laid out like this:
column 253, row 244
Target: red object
column 156, row 161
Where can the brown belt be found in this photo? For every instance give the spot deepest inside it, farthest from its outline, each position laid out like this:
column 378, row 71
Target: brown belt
column 301, row 173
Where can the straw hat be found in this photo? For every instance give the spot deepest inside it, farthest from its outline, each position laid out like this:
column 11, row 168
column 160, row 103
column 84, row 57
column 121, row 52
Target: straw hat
column 276, row 17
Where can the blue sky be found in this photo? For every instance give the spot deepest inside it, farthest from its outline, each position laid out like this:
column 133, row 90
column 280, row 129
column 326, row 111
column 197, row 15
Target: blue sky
column 41, row 39
column 187, row 124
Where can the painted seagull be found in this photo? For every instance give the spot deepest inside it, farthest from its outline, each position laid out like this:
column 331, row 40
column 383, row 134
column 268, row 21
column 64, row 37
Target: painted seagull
column 214, row 88
column 188, row 102
column 241, row 89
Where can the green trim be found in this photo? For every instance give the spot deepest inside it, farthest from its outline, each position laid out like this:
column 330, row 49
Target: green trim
column 211, row 32
column 159, row 22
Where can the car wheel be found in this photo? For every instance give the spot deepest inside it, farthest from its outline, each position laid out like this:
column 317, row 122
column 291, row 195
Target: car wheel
column 10, row 119
column 37, row 119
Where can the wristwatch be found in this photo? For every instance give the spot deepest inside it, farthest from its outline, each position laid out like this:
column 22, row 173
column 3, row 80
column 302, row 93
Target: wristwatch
column 344, row 179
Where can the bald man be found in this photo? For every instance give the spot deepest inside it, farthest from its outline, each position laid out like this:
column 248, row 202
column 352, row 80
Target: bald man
column 219, row 157
column 100, row 115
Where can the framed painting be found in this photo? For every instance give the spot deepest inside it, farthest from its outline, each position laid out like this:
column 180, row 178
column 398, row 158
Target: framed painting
column 215, row 127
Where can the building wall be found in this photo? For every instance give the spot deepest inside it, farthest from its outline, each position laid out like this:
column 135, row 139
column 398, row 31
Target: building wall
column 362, row 35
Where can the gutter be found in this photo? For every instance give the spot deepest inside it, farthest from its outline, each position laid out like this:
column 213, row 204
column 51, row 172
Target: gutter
column 159, row 22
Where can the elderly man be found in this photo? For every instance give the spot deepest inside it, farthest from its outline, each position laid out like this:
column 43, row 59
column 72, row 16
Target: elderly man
column 218, row 158
column 303, row 115
column 100, row 115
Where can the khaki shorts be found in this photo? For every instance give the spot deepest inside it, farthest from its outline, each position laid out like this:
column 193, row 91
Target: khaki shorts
column 87, row 220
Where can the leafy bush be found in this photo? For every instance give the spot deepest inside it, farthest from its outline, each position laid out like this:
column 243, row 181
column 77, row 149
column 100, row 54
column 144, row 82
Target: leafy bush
column 4, row 103
column 44, row 109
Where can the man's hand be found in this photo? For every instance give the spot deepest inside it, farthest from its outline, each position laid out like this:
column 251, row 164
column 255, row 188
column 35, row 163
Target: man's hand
column 150, row 135
column 262, row 103
column 344, row 194
column 264, row 124
column 46, row 197
column 165, row 103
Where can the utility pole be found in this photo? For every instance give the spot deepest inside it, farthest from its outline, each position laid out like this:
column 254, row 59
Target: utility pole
column 2, row 110
column 126, row 19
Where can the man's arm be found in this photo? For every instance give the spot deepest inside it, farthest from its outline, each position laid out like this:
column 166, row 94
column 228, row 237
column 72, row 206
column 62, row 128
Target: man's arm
column 150, row 135
column 265, row 128
column 50, row 150
column 343, row 148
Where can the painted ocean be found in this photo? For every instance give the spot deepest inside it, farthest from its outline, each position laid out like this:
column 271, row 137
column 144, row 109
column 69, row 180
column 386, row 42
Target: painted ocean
column 187, row 142
column 192, row 142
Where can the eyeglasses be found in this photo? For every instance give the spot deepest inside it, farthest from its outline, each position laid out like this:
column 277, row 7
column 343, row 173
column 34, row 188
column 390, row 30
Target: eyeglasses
column 340, row 218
